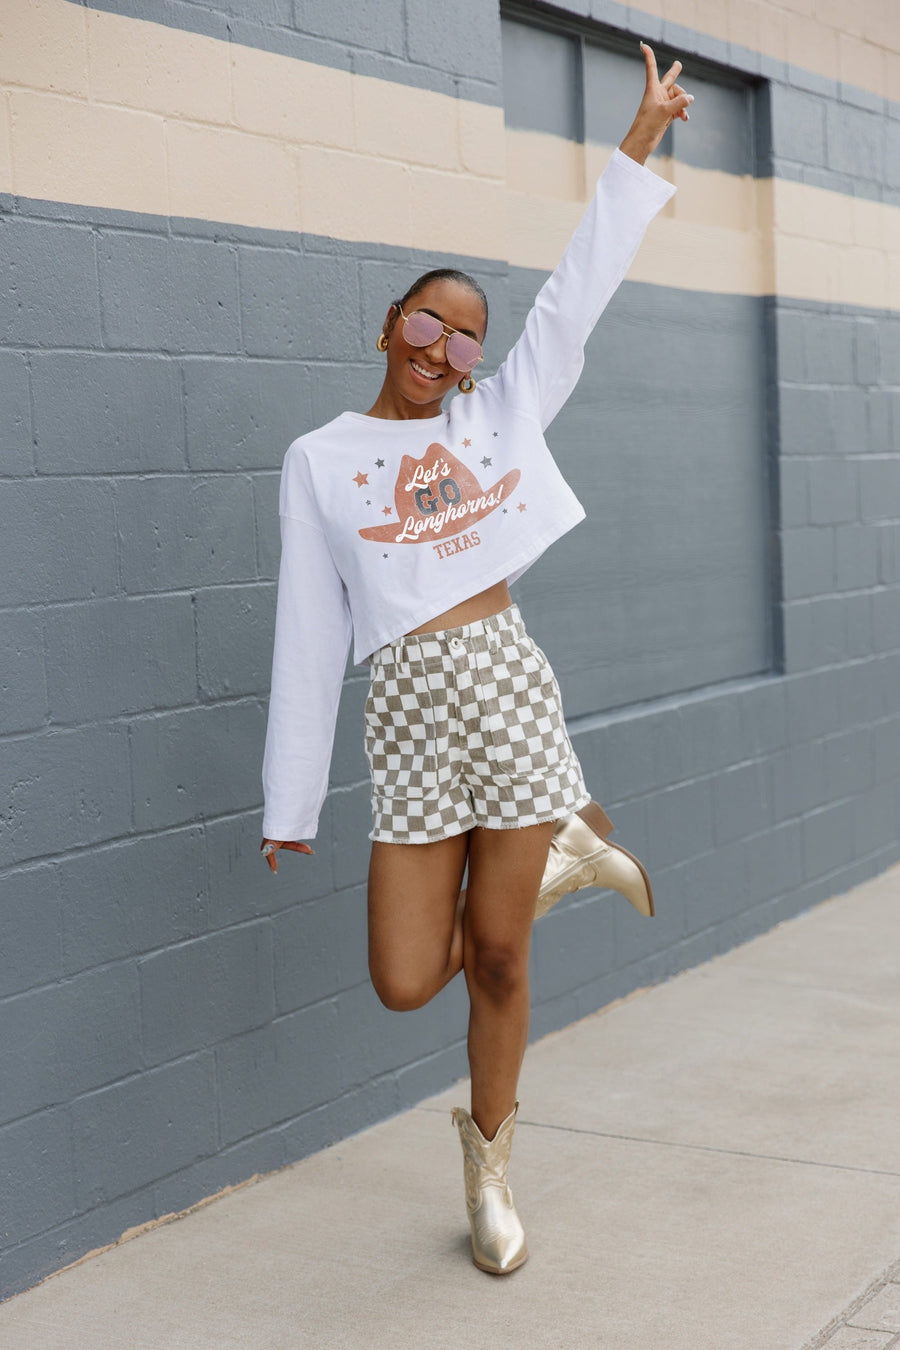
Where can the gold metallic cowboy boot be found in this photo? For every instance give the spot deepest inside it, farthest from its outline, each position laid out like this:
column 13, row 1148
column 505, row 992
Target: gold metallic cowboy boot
column 580, row 856
column 498, row 1239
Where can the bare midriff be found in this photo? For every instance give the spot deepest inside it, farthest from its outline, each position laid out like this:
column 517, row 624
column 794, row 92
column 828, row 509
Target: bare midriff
column 480, row 606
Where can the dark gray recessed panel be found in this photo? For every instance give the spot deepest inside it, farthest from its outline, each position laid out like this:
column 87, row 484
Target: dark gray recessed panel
column 540, row 80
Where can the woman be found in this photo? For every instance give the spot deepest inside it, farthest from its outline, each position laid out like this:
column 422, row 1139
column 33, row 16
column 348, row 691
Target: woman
column 403, row 527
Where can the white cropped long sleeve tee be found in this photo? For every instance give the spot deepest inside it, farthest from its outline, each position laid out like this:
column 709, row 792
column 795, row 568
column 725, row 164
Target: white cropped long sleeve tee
column 385, row 524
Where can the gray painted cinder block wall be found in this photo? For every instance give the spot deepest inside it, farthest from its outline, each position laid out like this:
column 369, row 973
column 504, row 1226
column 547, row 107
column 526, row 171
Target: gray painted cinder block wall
column 173, row 1019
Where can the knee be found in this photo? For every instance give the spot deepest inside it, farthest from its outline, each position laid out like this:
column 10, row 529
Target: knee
column 399, row 993
column 498, row 970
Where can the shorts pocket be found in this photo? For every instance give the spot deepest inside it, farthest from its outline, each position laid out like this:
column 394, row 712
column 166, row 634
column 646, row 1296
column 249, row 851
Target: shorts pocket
column 400, row 733
column 525, row 723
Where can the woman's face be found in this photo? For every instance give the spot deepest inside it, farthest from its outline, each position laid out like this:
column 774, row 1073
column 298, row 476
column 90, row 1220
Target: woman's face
column 423, row 375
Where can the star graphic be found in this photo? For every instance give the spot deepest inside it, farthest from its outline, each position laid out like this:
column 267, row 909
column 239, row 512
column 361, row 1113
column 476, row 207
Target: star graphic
column 505, row 511
column 361, row 478
column 384, row 555
column 467, row 442
column 386, row 511
column 379, row 464
column 368, row 501
column 496, row 433
column 486, row 462
column 521, row 507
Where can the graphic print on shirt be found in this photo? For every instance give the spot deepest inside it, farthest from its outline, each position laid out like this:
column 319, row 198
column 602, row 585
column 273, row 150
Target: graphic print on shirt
column 438, row 496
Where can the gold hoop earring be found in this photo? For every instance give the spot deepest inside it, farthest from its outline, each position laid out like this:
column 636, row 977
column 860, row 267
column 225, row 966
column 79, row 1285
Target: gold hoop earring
column 382, row 342
column 466, row 384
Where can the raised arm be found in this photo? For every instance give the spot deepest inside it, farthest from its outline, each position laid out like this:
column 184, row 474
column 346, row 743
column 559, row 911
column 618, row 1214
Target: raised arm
column 544, row 365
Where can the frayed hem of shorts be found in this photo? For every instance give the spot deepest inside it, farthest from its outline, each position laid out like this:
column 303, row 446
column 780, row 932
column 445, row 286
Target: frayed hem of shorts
column 494, row 825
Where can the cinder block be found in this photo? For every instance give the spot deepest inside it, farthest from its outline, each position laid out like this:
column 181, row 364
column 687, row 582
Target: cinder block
column 336, row 388
column 230, row 1165
column 763, row 716
column 716, row 886
column 320, row 949
column 798, row 125
column 833, row 491
column 179, row 532
column 235, row 626
column 679, row 822
column 849, row 763
column 351, row 823
column 573, row 945
column 814, row 632
column 806, row 421
column 272, row 281
column 830, row 349
column 348, row 762
column 377, row 1041
column 95, row 412
column 712, row 733
column 265, row 517
column 856, row 556
column 850, row 413
column 879, row 422
column 742, row 802
column 886, row 619
column 128, row 1135
column 196, row 763
column 774, row 862
column 866, row 351
column 304, row 1079
column 879, row 488
column 876, row 819
column 203, row 991
column 461, row 39
column 132, row 896
column 887, row 750
column 892, row 152
column 116, row 656
column 57, row 540
column 807, row 555
column 797, row 778
column 790, row 348
column 813, row 705
column 860, row 693
column 855, row 140
column 23, row 686
column 65, row 789
column 30, row 920
column 858, row 624
column 888, row 538
column 240, row 883
column 827, row 840
column 168, row 293
column 794, row 476
column 14, row 399
column 51, row 271
column 38, row 1181
column 243, row 414
column 65, row 1039
column 888, row 667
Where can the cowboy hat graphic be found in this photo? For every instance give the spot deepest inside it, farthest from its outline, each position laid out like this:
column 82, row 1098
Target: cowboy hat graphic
column 437, row 496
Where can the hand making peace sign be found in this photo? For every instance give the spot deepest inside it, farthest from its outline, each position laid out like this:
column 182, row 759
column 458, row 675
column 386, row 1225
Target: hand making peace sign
column 663, row 101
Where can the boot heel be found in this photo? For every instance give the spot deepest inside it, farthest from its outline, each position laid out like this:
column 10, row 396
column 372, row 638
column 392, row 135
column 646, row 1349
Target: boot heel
column 596, row 819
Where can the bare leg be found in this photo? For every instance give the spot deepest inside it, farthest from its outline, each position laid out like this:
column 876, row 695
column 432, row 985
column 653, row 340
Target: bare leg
column 415, row 923
column 505, row 872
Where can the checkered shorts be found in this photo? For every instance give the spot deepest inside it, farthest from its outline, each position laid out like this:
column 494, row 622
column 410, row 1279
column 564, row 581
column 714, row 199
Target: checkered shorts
column 465, row 727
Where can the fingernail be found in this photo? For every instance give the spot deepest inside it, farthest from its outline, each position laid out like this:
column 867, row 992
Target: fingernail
column 690, row 98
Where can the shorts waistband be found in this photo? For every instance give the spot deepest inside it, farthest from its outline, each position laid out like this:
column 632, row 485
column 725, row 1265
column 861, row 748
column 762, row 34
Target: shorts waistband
column 482, row 635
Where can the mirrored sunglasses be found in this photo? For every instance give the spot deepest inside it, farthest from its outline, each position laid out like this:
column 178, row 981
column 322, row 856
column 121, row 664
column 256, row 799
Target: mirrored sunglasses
column 421, row 329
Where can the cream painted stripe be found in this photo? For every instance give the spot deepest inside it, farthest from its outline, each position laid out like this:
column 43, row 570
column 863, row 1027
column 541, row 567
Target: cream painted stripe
column 101, row 110
column 105, row 110
column 720, row 233
column 856, row 42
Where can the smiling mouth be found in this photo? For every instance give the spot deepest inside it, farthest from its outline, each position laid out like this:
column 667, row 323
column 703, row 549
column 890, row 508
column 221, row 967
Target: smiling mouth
column 426, row 374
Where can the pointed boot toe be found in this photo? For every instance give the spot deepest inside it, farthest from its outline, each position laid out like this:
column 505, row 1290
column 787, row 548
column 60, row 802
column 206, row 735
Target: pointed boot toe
column 581, row 855
column 498, row 1238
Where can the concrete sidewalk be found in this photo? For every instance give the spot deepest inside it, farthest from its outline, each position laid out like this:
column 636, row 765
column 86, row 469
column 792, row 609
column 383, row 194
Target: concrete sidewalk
column 713, row 1164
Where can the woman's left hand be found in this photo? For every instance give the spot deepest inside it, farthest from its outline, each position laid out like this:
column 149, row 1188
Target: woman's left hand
column 663, row 101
